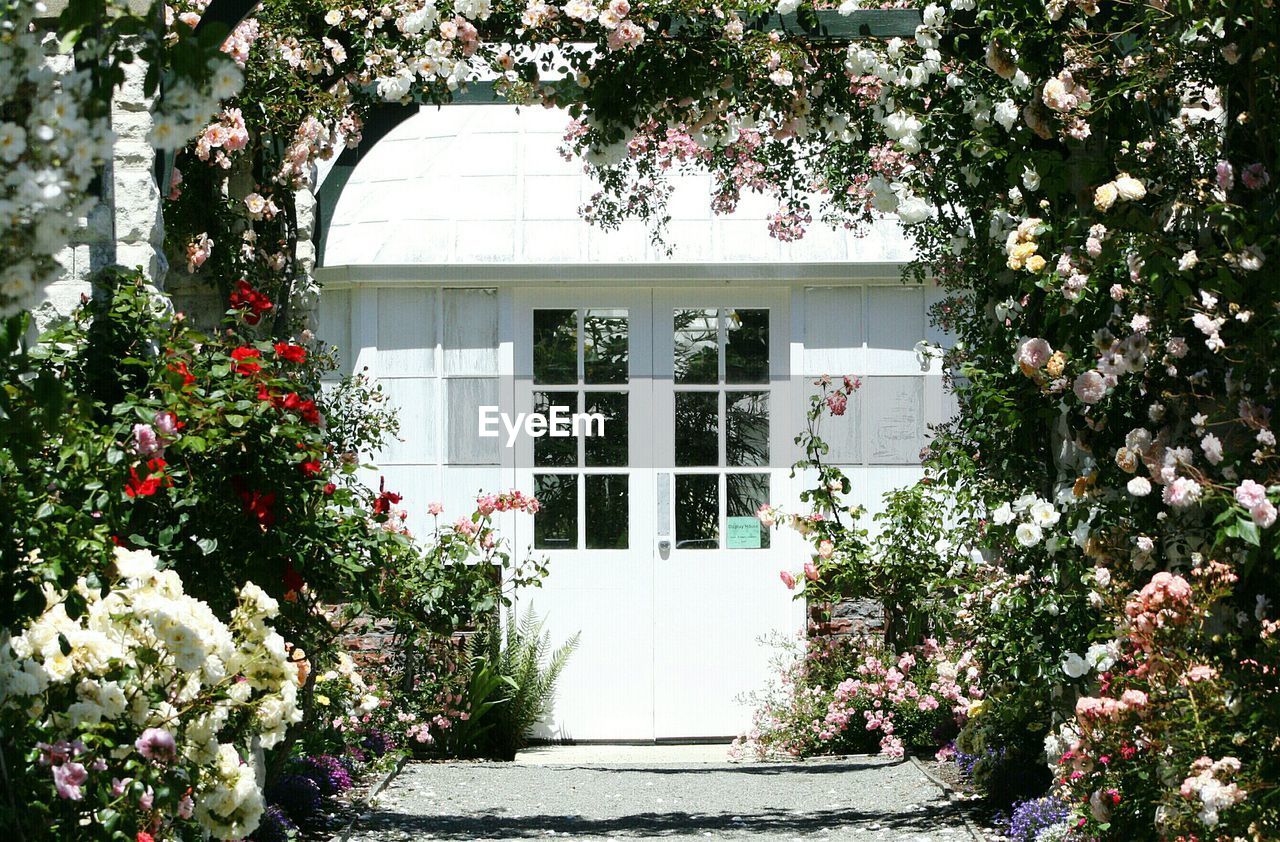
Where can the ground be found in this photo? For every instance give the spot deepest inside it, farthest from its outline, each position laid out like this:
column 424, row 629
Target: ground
column 590, row 792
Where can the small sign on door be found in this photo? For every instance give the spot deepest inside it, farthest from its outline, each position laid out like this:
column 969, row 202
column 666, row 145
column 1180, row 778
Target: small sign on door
column 743, row 533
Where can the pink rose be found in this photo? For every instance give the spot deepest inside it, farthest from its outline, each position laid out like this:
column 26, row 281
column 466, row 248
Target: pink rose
column 67, row 778
column 1263, row 514
column 145, row 442
column 1250, row 494
column 435, row 509
column 811, row 571
column 1090, row 387
column 156, row 744
column 787, row 579
column 1032, row 354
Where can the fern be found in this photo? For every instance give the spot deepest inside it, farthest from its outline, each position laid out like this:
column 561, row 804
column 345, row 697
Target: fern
column 529, row 669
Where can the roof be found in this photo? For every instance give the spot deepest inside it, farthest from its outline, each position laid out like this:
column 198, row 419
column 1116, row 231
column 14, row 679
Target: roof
column 486, row 185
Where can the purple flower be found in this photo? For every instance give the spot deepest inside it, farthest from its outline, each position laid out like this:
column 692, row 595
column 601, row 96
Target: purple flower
column 119, row 785
column 298, row 796
column 147, row 799
column 68, row 777
column 1030, row 817
column 328, row 773
column 156, row 744
column 275, row 826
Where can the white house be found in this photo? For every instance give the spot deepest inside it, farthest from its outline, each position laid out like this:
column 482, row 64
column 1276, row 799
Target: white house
column 458, row 273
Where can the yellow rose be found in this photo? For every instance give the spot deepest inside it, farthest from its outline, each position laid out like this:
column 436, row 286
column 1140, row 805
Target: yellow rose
column 322, row 699
column 976, row 708
column 1035, row 263
column 1056, row 364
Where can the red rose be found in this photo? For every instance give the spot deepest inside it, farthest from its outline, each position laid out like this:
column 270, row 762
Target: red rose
column 250, row 302
column 329, row 488
column 259, row 505
column 244, row 357
column 312, row 468
column 143, row 836
column 144, row 486
column 188, row 379
column 309, row 412
column 291, row 353
column 292, row 578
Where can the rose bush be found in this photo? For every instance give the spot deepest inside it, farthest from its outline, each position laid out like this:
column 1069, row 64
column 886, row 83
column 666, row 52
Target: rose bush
column 134, row 708
column 846, row 694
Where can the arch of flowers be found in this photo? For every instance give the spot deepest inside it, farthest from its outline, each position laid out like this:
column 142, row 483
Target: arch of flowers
column 1092, row 181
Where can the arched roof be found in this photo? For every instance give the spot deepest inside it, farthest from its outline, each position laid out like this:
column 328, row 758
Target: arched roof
column 485, row 185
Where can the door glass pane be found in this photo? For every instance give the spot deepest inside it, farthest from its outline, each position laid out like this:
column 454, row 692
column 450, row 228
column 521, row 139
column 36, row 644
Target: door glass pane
column 697, row 428
column 697, row 511
column 746, row 350
column 554, row 451
column 555, row 526
column 610, row 449
column 747, row 493
column 746, row 436
column 604, row 346
column 697, row 351
column 555, row 346
column 607, row 511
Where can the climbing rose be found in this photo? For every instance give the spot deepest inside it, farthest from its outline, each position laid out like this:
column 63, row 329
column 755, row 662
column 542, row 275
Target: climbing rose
column 1090, row 387
column 787, row 579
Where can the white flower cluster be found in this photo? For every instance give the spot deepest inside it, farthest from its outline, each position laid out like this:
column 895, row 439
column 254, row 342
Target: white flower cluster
column 1035, row 515
column 49, row 152
column 147, row 656
column 895, row 66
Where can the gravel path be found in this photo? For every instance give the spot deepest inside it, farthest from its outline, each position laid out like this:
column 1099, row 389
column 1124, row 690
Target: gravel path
column 856, row 798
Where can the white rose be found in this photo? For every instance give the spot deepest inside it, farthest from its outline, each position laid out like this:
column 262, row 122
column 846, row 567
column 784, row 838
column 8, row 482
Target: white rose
column 1139, row 486
column 135, row 564
column 1105, row 196
column 1003, row 514
column 1073, row 665
column 1129, row 188
column 1028, row 534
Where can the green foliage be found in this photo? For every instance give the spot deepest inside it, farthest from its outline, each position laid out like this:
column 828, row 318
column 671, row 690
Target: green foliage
column 520, row 653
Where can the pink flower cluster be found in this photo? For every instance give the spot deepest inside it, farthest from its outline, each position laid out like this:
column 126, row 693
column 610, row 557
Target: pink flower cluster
column 228, row 134
column 510, row 501
column 1164, row 601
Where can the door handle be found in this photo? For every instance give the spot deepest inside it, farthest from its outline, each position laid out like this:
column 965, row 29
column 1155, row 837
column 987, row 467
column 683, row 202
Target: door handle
column 664, row 548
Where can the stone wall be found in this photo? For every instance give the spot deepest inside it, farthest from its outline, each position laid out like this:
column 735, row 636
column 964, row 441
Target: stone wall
column 126, row 226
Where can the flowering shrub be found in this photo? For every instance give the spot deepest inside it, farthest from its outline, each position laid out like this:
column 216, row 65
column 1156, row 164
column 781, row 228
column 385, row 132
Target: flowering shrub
column 132, row 706
column 1164, row 738
column 1036, row 820
column 846, row 694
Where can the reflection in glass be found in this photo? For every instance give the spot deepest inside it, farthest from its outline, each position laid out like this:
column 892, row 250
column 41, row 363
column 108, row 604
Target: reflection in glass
column 697, row 428
column 697, row 511
column 555, row 526
column 697, row 354
column 604, row 346
column 747, row 493
column 746, row 435
column 608, row 450
column 555, row 346
column 746, row 350
column 607, row 511
column 554, row 451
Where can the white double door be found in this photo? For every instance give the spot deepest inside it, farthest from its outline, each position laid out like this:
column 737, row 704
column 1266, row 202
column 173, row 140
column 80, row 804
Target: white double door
column 656, row 557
